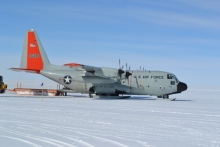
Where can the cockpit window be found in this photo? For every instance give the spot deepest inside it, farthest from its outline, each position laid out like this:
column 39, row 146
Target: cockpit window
column 176, row 79
column 171, row 76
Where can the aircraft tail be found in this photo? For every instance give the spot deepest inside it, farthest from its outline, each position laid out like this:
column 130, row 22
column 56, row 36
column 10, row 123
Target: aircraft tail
column 34, row 58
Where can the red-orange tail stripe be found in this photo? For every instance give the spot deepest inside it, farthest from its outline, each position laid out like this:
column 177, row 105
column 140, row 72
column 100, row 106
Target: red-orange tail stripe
column 34, row 59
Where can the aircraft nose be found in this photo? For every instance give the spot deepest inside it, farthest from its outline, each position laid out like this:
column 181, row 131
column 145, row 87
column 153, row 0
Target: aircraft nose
column 181, row 87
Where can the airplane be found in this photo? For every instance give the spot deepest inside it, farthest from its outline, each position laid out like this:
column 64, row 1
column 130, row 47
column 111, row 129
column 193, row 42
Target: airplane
column 97, row 81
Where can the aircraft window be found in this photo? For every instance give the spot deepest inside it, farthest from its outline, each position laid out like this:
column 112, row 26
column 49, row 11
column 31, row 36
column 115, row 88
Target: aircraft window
column 170, row 76
column 176, row 78
column 145, row 77
column 135, row 76
column 139, row 76
column 172, row 83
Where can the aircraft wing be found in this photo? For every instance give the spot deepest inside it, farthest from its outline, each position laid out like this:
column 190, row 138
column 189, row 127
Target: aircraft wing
column 82, row 67
column 95, row 71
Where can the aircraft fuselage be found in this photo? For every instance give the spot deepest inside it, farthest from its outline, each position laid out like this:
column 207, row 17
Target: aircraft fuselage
column 156, row 83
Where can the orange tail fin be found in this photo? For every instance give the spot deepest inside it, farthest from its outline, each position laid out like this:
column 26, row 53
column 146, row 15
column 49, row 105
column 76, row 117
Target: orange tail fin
column 34, row 58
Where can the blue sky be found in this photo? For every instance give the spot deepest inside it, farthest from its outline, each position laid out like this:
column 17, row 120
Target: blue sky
column 179, row 36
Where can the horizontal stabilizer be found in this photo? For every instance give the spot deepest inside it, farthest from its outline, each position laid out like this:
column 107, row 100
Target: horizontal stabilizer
column 26, row 70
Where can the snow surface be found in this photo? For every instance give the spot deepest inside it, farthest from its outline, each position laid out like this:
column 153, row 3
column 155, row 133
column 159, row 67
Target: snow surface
column 192, row 120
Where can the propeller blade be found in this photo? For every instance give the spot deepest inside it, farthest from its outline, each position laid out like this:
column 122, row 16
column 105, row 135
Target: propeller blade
column 120, row 72
column 119, row 64
column 127, row 74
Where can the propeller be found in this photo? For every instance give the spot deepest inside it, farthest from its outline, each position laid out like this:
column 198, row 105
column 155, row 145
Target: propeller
column 127, row 74
column 120, row 71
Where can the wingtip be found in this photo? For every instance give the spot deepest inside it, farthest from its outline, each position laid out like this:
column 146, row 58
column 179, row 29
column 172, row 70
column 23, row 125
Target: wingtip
column 11, row 68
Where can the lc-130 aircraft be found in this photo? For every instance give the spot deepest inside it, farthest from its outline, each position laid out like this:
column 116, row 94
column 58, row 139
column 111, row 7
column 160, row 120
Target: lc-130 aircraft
column 101, row 81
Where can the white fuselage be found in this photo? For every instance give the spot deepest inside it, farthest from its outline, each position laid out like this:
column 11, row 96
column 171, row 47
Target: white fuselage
column 139, row 83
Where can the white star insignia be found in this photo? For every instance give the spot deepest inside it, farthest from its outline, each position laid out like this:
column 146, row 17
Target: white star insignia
column 67, row 79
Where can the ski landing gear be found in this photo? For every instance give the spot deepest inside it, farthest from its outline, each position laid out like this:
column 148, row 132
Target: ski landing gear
column 110, row 96
column 166, row 97
column 91, row 91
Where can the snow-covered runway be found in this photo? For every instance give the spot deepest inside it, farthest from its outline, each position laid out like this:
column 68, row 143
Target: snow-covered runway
column 192, row 120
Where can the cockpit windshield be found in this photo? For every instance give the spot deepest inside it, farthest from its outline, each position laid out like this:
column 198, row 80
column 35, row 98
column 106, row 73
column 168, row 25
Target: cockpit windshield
column 171, row 76
column 176, row 78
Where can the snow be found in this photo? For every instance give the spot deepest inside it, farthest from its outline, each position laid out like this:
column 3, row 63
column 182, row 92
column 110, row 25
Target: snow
column 76, row 120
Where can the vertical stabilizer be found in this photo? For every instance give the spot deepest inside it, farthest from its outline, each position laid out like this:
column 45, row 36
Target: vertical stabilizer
column 33, row 55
